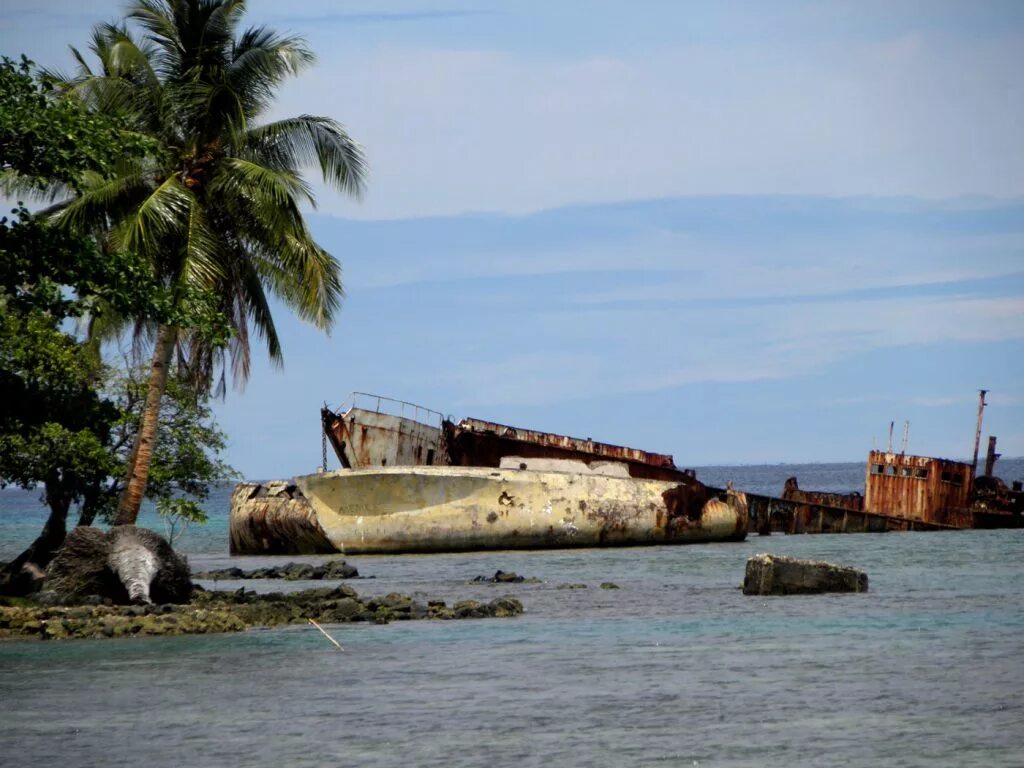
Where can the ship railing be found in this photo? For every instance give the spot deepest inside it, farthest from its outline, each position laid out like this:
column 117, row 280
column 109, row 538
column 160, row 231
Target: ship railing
column 391, row 406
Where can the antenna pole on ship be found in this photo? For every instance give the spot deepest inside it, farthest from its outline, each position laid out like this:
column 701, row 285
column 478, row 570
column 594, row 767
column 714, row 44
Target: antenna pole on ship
column 977, row 434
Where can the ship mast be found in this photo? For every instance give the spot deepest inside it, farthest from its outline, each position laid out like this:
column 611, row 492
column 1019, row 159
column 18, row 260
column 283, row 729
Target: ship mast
column 977, row 434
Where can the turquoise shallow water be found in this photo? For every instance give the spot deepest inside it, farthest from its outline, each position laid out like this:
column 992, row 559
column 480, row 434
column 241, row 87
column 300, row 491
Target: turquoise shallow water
column 676, row 667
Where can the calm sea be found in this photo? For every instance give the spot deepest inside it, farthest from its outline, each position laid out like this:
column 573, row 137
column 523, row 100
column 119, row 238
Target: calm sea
column 675, row 668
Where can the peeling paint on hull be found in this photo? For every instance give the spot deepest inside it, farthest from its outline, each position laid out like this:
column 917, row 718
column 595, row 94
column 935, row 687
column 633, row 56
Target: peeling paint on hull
column 444, row 509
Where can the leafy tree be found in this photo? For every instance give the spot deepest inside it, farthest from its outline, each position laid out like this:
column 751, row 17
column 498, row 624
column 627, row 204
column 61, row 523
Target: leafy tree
column 47, row 141
column 186, row 462
column 217, row 206
column 55, row 426
column 53, row 429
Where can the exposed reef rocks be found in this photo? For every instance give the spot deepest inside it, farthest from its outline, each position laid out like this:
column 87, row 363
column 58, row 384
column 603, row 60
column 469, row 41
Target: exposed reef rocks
column 215, row 611
column 778, row 575
column 332, row 570
column 505, row 577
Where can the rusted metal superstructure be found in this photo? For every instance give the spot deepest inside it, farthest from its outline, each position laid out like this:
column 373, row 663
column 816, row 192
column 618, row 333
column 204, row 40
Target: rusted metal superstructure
column 478, row 443
column 791, row 491
column 903, row 491
column 919, row 488
column 376, row 431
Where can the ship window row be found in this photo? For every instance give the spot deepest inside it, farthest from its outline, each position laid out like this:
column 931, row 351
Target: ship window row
column 891, row 470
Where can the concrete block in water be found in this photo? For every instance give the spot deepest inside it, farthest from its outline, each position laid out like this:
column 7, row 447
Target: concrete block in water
column 779, row 575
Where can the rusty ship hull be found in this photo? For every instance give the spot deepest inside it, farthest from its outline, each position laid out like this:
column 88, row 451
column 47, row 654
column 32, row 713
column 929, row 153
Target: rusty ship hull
column 448, row 509
column 413, row 481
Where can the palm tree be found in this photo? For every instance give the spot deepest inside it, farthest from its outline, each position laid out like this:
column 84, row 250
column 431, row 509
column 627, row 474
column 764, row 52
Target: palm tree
column 215, row 208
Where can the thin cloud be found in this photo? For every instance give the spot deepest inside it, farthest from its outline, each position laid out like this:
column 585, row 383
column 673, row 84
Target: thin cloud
column 452, row 130
column 379, row 17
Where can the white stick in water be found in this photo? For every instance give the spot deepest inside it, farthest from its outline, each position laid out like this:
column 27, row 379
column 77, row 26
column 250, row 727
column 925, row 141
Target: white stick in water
column 324, row 631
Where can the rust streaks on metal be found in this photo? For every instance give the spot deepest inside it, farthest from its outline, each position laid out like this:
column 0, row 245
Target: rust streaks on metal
column 919, row 488
column 478, row 443
column 791, row 491
column 274, row 518
column 379, row 431
column 683, row 507
column 563, row 442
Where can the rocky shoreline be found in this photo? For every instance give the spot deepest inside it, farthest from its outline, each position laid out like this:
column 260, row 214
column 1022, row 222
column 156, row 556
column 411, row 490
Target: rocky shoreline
column 329, row 571
column 218, row 611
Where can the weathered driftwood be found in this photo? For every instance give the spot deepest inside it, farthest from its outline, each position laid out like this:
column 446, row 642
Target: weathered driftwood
column 779, row 575
column 125, row 565
column 275, row 519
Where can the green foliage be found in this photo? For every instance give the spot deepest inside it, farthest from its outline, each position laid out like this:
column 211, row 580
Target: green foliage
column 217, row 206
column 46, row 138
column 49, row 270
column 178, row 515
column 56, row 424
column 186, row 458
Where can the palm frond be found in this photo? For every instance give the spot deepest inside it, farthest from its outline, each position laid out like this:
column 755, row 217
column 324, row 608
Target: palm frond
column 312, row 140
column 242, row 176
column 264, row 202
column 83, row 65
column 204, row 263
column 305, row 276
column 264, row 58
column 128, row 58
column 162, row 217
column 102, row 200
column 17, row 186
column 257, row 307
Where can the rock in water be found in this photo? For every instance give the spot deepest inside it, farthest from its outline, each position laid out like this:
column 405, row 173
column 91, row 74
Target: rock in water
column 126, row 564
column 779, row 575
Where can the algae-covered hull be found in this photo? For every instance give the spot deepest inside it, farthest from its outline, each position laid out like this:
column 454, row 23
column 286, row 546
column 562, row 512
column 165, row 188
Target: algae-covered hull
column 444, row 509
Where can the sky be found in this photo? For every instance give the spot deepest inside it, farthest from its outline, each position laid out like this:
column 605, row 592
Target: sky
column 737, row 232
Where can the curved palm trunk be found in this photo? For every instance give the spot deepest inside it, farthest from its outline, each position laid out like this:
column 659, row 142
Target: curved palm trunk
column 142, row 453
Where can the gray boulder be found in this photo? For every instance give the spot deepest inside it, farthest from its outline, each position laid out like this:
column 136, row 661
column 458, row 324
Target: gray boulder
column 779, row 575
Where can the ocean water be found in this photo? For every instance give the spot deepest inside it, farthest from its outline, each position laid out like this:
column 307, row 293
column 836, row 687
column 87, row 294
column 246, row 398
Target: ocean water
column 675, row 668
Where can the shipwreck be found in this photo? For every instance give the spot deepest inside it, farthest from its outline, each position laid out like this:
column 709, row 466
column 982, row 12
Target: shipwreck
column 414, row 481
column 902, row 492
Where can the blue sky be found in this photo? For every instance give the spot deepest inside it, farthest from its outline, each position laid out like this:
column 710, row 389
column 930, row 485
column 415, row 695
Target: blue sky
column 733, row 231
